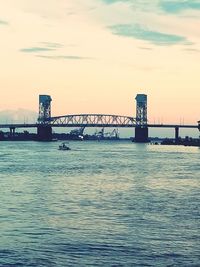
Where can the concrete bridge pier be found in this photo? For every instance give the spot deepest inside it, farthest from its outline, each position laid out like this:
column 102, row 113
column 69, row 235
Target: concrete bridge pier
column 176, row 134
column 141, row 135
column 12, row 132
column 44, row 132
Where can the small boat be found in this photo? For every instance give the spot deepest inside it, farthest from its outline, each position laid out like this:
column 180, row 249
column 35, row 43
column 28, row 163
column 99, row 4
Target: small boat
column 63, row 146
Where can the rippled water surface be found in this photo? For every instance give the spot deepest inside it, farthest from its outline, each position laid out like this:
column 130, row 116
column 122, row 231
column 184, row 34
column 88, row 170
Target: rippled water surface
column 100, row 204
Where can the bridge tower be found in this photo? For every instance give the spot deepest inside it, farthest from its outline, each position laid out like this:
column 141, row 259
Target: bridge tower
column 44, row 130
column 141, row 129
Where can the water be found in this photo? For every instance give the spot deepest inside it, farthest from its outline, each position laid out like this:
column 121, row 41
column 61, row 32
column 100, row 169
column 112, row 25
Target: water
column 100, row 204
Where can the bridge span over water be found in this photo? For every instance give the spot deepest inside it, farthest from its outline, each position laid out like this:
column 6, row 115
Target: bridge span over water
column 46, row 122
column 118, row 122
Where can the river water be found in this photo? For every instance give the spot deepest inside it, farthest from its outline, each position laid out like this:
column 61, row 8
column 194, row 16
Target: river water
column 101, row 204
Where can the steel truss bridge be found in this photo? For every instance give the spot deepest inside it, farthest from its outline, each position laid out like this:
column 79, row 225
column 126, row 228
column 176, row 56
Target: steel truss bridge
column 46, row 122
column 93, row 120
column 105, row 120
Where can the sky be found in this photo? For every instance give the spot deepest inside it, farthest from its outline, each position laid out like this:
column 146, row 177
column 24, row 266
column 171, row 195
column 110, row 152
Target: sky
column 95, row 56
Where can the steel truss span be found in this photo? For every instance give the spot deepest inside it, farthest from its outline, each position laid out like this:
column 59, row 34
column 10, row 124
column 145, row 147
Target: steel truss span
column 93, row 120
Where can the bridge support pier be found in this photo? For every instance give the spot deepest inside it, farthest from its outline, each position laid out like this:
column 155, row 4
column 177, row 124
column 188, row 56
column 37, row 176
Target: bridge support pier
column 44, row 132
column 141, row 135
column 176, row 134
column 12, row 132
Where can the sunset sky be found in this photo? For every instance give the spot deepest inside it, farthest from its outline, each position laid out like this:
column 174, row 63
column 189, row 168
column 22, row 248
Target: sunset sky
column 94, row 56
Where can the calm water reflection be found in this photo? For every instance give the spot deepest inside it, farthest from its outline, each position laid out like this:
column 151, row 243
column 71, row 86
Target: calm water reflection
column 100, row 204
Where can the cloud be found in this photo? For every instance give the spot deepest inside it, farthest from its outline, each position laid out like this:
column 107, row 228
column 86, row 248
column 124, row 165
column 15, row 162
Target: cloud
column 49, row 47
column 3, row 22
column 63, row 57
column 155, row 6
column 52, row 45
column 145, row 48
column 36, row 49
column 143, row 33
column 178, row 6
column 114, row 1
column 192, row 50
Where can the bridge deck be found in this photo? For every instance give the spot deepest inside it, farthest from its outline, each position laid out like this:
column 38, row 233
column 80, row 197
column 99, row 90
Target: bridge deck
column 35, row 125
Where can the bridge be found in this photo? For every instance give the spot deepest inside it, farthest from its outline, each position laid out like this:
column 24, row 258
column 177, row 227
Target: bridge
column 46, row 122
